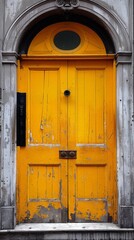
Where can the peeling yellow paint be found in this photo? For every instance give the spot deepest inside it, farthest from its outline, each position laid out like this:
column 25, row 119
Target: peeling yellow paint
column 50, row 189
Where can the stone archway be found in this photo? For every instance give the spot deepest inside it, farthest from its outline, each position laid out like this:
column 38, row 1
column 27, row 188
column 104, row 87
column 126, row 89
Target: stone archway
column 117, row 31
column 109, row 21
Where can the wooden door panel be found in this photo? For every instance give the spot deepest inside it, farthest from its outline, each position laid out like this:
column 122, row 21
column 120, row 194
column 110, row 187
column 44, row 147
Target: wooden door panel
column 44, row 106
column 42, row 176
column 91, row 128
column 91, row 181
column 90, row 87
column 43, row 181
column 91, row 193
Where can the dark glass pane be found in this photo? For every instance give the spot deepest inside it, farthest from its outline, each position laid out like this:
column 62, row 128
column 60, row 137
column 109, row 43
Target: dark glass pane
column 67, row 40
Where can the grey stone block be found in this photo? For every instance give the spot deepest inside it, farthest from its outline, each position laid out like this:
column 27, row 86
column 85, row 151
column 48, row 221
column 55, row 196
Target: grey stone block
column 7, row 217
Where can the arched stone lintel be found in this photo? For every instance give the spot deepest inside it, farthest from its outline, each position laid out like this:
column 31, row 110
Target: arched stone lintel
column 109, row 21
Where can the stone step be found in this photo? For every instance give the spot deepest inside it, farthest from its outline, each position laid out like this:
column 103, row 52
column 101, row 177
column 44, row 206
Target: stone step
column 68, row 231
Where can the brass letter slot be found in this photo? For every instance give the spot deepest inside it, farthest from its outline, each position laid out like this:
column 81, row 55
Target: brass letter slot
column 67, row 154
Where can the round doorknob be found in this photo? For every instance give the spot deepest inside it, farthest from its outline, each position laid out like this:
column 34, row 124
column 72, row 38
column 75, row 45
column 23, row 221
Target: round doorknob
column 72, row 154
column 63, row 154
column 67, row 93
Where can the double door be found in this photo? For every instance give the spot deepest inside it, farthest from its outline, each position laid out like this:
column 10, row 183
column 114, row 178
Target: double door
column 67, row 170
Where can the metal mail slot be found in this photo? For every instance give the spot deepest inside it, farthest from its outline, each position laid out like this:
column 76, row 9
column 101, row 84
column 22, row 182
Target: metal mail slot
column 71, row 154
column 21, row 119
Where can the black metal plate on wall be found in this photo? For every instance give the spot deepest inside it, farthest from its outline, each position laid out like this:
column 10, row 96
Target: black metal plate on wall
column 21, row 119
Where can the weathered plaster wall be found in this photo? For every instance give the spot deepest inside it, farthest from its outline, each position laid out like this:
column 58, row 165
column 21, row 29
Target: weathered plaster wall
column 1, row 39
column 120, row 8
column 13, row 8
column 132, row 142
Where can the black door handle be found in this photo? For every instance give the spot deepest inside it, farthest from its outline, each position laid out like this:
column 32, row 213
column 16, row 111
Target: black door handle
column 67, row 93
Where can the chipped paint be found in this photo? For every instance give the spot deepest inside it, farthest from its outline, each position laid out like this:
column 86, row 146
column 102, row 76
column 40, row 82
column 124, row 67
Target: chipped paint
column 72, row 217
column 7, row 136
column 45, row 215
column 51, row 145
column 102, row 145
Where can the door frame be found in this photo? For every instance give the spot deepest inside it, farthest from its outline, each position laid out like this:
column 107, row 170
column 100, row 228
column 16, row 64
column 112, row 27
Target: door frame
column 124, row 92
column 120, row 64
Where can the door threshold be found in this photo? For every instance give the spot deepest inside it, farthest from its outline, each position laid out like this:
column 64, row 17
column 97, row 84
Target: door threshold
column 67, row 227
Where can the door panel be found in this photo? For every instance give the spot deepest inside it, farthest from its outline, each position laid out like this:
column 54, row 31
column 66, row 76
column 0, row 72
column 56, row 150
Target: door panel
column 44, row 96
column 42, row 176
column 51, row 189
column 91, row 131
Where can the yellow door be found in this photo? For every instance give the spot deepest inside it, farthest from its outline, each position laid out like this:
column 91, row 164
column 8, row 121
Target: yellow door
column 91, row 132
column 50, row 186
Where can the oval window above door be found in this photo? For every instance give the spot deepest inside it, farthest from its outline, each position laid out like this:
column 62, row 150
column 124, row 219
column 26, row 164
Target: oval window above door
column 66, row 38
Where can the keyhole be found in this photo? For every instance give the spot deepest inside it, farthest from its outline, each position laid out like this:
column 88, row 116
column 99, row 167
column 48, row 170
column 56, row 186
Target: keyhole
column 67, row 93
